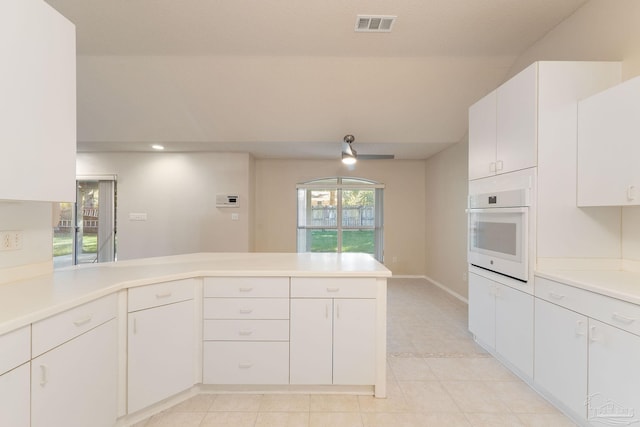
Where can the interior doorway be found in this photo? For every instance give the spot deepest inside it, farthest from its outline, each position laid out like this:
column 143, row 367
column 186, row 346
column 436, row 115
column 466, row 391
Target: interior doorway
column 86, row 230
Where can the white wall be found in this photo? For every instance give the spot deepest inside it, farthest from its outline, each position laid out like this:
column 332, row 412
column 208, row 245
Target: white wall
column 600, row 30
column 177, row 192
column 33, row 219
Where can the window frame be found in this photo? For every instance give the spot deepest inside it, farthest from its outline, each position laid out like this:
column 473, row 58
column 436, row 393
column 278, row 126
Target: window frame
column 337, row 184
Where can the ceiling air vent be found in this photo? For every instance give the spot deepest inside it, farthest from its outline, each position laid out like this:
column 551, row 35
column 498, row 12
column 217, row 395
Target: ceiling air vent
column 374, row 23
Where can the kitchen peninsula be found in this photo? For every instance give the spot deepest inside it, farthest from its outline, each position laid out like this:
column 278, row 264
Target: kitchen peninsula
column 147, row 333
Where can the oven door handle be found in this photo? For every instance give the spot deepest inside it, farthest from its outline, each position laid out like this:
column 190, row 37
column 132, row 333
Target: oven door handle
column 521, row 209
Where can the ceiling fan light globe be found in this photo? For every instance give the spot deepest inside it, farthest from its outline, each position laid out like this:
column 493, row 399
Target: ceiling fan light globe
column 348, row 159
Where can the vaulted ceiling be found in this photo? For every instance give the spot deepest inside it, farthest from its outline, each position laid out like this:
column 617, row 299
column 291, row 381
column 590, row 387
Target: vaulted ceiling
column 289, row 78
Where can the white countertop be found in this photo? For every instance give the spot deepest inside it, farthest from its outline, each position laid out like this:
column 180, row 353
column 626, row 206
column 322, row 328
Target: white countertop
column 620, row 284
column 27, row 301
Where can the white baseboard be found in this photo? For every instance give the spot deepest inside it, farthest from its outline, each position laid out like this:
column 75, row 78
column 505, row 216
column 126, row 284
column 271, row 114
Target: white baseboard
column 435, row 282
column 407, row 276
column 447, row 290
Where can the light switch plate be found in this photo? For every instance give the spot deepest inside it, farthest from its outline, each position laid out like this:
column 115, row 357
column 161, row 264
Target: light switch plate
column 137, row 216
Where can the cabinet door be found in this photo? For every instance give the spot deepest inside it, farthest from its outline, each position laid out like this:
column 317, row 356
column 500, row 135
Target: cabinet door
column 614, row 374
column 517, row 122
column 15, row 401
column 561, row 354
column 38, row 102
column 482, row 309
column 161, row 353
column 482, row 137
column 311, row 341
column 75, row 384
column 354, row 341
column 608, row 131
column 514, row 328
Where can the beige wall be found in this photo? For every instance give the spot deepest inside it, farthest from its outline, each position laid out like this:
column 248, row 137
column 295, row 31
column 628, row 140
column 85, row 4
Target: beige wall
column 602, row 30
column 446, row 220
column 404, row 205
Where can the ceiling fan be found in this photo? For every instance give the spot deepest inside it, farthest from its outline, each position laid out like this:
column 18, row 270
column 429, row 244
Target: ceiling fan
column 350, row 155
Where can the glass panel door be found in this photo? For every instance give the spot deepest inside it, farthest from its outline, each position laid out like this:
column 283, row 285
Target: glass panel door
column 63, row 235
column 85, row 232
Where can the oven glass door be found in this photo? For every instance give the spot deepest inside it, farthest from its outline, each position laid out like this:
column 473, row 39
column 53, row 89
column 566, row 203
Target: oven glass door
column 498, row 240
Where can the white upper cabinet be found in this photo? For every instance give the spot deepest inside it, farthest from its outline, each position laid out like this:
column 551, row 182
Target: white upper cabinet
column 609, row 147
column 38, row 102
column 516, row 125
column 482, row 137
column 503, row 127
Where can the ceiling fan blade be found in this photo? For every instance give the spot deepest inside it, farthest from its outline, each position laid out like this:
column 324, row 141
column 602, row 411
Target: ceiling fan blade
column 376, row 157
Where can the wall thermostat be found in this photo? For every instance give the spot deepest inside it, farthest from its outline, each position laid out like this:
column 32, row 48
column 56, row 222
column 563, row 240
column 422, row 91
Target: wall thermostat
column 227, row 200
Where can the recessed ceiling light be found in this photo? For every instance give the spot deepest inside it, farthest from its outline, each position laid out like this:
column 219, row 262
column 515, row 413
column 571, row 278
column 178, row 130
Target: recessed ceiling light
column 157, row 147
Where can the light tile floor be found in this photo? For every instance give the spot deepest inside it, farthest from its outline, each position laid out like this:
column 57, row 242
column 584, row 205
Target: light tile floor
column 437, row 376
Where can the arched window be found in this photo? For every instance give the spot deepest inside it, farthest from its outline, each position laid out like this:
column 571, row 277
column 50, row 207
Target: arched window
column 340, row 215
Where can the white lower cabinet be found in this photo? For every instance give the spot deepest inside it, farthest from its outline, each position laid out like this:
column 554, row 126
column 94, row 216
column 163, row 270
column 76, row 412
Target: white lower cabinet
column 246, row 362
column 482, row 309
column 75, row 384
column 582, row 361
column 161, row 350
column 311, row 341
column 246, row 330
column 614, row 375
column 501, row 318
column 15, row 401
column 332, row 341
column 561, row 355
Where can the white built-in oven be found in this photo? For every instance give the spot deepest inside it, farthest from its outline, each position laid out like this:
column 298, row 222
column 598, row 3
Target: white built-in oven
column 498, row 232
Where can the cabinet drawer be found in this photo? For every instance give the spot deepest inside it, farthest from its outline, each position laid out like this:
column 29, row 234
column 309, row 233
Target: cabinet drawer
column 615, row 312
column 330, row 287
column 246, row 287
column 246, row 362
column 15, row 348
column 246, row 330
column 246, row 308
column 62, row 327
column 160, row 294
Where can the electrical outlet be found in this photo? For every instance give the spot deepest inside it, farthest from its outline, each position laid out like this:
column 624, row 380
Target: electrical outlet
column 6, row 242
column 10, row 240
column 17, row 240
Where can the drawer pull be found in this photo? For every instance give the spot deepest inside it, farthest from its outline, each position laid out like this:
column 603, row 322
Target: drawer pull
column 580, row 332
column 245, row 332
column 82, row 321
column 623, row 319
column 246, row 289
column 556, row 296
column 333, row 289
column 245, row 365
column 246, row 310
column 631, row 192
column 163, row 294
column 43, row 375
